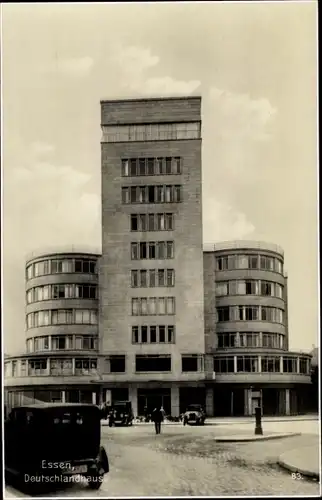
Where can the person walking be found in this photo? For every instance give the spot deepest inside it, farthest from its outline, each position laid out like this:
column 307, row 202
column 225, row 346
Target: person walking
column 157, row 418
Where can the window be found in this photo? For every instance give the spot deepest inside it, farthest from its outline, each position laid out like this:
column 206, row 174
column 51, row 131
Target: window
column 117, row 363
column 251, row 313
column 278, row 291
column 170, row 339
column 278, row 266
column 267, row 288
column 176, row 165
column 151, row 132
column 62, row 316
column 134, row 251
column 162, row 334
column 222, row 288
column 241, row 261
column 144, row 334
column 304, row 366
column 89, row 343
column 30, row 343
column 153, row 334
column 249, row 339
column 224, row 365
column 150, row 166
column 266, row 263
column 14, row 368
column 61, row 367
column 153, row 306
column 268, row 314
column 30, row 272
column 247, row 364
column 270, row 364
column 23, row 368
column 251, row 287
column 170, row 249
column 226, row 340
column 222, row 263
column 279, row 316
column 125, row 168
column 135, row 334
column 41, row 268
column 289, row 364
column 153, row 363
column 58, row 343
column 41, row 343
column 85, row 317
column 223, row 314
column 85, row 366
column 191, row 363
column 271, row 340
column 145, row 222
column 253, row 262
column 37, row 367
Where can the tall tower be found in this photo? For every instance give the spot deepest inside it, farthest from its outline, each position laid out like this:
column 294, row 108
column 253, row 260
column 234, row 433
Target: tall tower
column 151, row 307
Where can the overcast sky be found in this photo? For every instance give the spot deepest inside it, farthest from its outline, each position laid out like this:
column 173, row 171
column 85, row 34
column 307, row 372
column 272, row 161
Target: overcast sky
column 255, row 67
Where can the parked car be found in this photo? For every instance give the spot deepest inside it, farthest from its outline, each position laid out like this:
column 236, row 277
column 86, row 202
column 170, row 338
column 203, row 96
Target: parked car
column 194, row 415
column 121, row 414
column 45, row 440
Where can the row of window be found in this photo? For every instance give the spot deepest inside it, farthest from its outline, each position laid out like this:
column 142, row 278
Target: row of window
column 62, row 317
column 62, row 342
column 54, row 266
column 158, row 363
column 53, row 366
column 152, row 250
column 162, row 334
column 143, row 278
column 151, row 132
column 152, row 194
column 61, row 291
column 134, row 167
column 265, row 364
column 249, row 261
column 254, row 339
column 249, row 287
column 250, row 313
column 152, row 222
column 153, row 306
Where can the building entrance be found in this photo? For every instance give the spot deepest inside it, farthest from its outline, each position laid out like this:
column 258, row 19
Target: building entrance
column 150, row 398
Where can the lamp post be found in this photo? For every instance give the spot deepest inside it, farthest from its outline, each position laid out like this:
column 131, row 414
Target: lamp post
column 258, row 416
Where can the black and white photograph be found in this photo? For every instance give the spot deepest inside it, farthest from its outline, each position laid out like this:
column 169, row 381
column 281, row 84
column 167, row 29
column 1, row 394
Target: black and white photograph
column 160, row 250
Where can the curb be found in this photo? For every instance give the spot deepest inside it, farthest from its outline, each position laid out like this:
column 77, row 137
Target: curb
column 298, row 470
column 247, row 439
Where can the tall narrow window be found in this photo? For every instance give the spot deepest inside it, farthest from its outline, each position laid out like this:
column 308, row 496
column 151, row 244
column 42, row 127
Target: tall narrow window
column 142, row 166
column 125, row 168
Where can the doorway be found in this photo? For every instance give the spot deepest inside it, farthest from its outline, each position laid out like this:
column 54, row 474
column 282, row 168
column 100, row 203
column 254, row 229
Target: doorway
column 150, row 398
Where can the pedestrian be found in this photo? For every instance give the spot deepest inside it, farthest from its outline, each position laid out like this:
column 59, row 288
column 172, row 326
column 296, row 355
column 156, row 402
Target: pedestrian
column 157, row 418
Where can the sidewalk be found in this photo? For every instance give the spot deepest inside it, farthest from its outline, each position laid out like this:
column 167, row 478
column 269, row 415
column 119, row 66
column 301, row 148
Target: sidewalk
column 303, row 461
column 240, row 420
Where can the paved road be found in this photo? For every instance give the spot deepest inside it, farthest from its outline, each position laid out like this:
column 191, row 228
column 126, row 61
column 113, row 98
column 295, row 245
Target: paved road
column 186, row 461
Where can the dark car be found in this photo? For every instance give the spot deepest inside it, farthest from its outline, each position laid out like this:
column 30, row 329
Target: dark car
column 121, row 413
column 194, row 415
column 46, row 440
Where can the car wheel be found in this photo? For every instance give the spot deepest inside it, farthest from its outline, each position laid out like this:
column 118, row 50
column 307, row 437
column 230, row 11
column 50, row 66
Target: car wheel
column 95, row 481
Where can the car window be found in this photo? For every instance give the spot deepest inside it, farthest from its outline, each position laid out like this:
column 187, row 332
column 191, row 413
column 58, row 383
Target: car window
column 68, row 418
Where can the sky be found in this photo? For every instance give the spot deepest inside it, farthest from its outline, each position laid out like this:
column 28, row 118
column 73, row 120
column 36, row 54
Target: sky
column 254, row 64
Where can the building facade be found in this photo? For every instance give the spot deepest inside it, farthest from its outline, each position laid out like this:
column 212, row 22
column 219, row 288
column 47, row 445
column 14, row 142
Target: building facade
column 150, row 316
column 154, row 319
column 62, row 343
column 246, row 322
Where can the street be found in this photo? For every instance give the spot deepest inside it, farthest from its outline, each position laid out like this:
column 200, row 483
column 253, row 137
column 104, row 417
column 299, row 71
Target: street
column 186, row 461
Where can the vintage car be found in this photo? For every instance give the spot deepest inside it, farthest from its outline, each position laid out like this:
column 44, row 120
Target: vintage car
column 194, row 415
column 121, row 414
column 46, row 440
